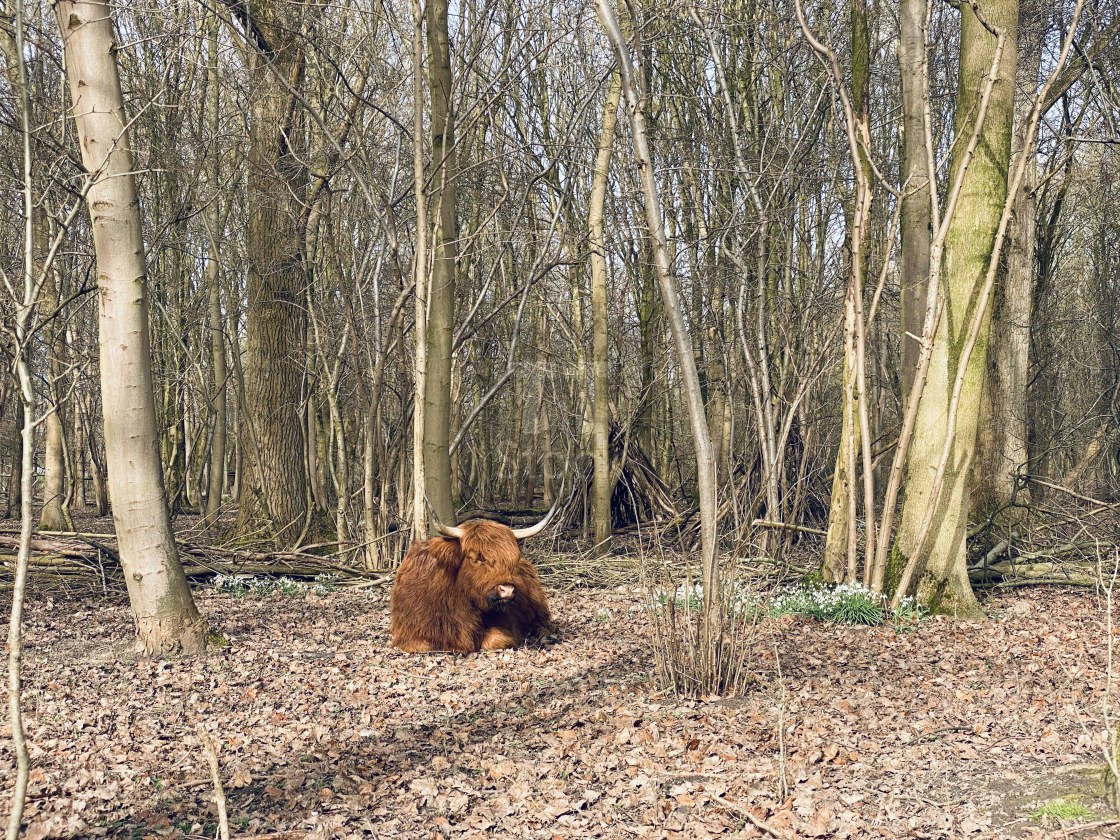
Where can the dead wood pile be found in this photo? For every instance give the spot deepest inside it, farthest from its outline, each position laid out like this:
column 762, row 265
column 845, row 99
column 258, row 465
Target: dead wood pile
column 65, row 560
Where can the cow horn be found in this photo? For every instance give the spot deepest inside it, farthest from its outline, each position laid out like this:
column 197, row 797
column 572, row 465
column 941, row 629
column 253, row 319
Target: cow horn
column 533, row 530
column 452, row 531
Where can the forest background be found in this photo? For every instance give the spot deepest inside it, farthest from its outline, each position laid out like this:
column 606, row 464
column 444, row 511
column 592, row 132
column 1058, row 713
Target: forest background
column 367, row 259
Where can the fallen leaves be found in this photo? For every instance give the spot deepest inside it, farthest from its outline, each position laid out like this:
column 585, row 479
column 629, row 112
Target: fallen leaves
column 327, row 732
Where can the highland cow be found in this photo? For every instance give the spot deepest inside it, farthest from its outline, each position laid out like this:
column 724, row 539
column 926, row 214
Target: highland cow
column 468, row 590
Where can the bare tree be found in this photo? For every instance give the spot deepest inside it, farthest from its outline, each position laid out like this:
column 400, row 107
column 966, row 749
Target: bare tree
column 601, row 401
column 670, row 301
column 167, row 621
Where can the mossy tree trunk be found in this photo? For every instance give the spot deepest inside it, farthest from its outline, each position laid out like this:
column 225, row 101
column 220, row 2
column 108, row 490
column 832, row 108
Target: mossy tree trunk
column 934, row 518
column 1001, row 455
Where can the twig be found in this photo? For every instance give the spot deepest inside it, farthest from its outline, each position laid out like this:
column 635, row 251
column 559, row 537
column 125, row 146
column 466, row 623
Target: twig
column 784, row 526
column 759, row 823
column 211, row 750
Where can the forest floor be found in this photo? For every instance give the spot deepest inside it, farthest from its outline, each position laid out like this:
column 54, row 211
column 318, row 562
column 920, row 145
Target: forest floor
column 949, row 730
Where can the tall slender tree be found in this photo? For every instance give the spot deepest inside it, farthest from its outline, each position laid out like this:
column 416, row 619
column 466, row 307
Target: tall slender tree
column 217, row 468
column 601, row 402
column 445, row 247
column 167, row 621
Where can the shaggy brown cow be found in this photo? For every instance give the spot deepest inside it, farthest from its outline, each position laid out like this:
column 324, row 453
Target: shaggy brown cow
column 468, row 590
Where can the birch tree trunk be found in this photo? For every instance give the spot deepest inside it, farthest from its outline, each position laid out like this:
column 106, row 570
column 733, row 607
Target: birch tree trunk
column 167, row 621
column 942, row 579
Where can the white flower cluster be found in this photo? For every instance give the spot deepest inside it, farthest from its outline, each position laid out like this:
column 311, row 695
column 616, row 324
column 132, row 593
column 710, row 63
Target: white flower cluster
column 849, row 603
column 239, row 586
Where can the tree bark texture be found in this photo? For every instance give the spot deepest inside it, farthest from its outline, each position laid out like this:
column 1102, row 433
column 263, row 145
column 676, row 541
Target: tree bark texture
column 1001, row 444
column 942, row 582
column 916, row 217
column 167, row 621
column 274, row 499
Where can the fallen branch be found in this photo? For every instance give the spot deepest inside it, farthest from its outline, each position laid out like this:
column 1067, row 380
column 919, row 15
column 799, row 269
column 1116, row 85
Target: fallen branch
column 211, row 750
column 1012, row 572
column 783, row 526
column 77, row 558
column 758, row 823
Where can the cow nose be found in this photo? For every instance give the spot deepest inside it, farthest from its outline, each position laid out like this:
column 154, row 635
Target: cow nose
column 505, row 591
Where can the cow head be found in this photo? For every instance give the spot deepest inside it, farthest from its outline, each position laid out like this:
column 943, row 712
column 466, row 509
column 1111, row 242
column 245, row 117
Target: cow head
column 491, row 554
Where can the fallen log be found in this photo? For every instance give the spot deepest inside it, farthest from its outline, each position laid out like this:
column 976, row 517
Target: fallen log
column 1012, row 573
column 81, row 559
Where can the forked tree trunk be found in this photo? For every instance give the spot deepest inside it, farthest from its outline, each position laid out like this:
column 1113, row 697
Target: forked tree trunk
column 167, row 621
column 600, row 404
column 934, row 517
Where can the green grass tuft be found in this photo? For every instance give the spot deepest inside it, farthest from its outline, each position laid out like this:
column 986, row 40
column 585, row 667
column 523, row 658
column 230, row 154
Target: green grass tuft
column 1062, row 809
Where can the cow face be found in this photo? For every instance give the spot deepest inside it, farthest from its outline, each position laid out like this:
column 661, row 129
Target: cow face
column 491, row 556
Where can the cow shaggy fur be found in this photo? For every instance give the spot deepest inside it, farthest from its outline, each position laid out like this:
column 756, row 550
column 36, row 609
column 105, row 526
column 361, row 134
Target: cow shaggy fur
column 466, row 594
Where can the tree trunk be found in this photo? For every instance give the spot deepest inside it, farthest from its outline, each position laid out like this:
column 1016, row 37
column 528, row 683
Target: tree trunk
column 940, row 578
column 600, row 325
column 441, row 292
column 53, row 516
column 217, row 472
column 167, row 621
column 686, row 357
column 423, row 287
column 1001, row 443
column 841, row 542
column 274, row 489
column 15, row 484
column 916, row 216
